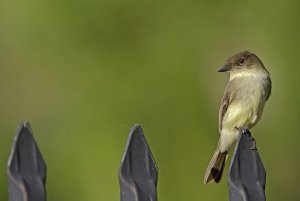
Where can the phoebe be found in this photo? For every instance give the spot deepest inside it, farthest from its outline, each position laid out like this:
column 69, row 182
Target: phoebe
column 246, row 93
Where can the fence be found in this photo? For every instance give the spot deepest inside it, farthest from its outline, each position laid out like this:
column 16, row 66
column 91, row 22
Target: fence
column 138, row 173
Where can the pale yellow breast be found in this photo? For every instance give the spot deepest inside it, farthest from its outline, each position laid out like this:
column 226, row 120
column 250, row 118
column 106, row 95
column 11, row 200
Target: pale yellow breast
column 247, row 103
column 247, row 99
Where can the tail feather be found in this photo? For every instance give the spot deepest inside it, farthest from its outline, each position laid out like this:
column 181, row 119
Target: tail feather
column 215, row 168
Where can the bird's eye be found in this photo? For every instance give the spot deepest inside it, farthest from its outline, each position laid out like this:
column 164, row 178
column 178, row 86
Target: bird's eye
column 241, row 61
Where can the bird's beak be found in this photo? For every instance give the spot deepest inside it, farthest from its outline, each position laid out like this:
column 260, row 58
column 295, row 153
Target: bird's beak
column 224, row 68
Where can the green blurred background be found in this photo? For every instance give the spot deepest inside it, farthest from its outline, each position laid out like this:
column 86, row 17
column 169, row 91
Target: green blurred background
column 83, row 72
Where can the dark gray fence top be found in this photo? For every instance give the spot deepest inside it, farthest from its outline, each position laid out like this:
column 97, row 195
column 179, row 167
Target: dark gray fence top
column 138, row 171
column 247, row 175
column 26, row 168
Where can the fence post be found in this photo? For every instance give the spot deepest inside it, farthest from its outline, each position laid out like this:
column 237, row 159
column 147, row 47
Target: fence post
column 26, row 169
column 247, row 175
column 138, row 171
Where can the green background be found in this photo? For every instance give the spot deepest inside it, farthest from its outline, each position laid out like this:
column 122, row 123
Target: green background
column 83, row 72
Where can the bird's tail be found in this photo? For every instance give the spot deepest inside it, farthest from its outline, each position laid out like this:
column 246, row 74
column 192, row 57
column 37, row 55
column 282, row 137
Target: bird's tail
column 215, row 168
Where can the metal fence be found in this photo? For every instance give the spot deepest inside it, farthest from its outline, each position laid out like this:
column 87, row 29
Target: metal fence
column 26, row 169
column 138, row 172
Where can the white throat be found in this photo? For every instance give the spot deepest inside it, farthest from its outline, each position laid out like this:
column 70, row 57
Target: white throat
column 258, row 74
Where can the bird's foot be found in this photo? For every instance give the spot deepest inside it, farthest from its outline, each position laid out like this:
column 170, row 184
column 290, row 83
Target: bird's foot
column 245, row 131
column 253, row 147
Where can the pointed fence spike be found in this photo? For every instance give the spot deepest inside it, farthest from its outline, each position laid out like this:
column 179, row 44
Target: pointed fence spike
column 26, row 168
column 138, row 171
column 247, row 175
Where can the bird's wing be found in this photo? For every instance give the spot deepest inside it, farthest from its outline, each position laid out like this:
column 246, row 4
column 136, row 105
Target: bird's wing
column 227, row 98
column 270, row 88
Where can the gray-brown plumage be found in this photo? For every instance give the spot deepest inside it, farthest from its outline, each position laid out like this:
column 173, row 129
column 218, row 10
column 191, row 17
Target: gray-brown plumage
column 247, row 90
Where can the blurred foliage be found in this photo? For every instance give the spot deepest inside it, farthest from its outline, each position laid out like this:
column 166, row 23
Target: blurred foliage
column 83, row 72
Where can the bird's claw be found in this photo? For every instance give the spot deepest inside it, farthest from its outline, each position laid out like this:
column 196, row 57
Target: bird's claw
column 245, row 131
column 253, row 147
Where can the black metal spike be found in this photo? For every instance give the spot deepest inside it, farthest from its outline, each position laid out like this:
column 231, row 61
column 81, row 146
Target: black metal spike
column 247, row 175
column 138, row 171
column 26, row 168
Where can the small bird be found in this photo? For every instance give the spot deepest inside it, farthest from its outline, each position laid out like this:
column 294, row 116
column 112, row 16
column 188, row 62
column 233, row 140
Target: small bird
column 246, row 93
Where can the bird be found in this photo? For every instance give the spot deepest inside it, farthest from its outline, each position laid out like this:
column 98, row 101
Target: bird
column 242, row 105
